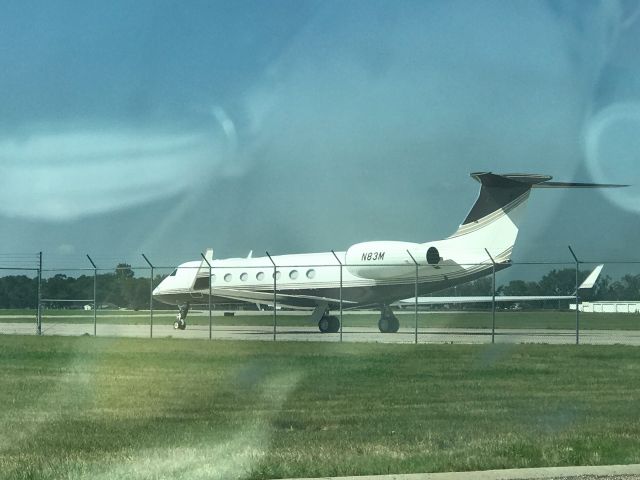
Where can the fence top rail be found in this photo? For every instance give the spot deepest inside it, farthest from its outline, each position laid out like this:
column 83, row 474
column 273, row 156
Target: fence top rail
column 26, row 269
column 66, row 300
column 271, row 266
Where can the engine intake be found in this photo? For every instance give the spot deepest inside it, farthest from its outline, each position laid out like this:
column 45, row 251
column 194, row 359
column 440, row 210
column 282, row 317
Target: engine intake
column 383, row 260
column 433, row 256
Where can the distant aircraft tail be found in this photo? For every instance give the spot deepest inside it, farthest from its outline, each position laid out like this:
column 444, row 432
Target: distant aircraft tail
column 493, row 220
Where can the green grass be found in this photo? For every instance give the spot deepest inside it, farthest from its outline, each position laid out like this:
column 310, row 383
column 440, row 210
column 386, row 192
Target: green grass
column 504, row 319
column 132, row 408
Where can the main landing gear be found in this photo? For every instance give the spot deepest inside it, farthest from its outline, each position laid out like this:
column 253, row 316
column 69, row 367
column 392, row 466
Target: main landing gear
column 388, row 322
column 329, row 324
column 181, row 318
column 326, row 323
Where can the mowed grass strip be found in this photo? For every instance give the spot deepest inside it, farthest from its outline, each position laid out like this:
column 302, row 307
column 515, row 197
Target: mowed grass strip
column 546, row 319
column 134, row 408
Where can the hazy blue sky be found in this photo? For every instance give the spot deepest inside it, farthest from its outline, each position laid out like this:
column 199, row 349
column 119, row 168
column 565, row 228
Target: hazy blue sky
column 292, row 126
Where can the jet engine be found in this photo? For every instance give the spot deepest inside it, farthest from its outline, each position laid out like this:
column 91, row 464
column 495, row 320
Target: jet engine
column 383, row 260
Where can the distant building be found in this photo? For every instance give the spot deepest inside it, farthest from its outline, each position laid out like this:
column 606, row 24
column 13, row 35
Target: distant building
column 608, row 307
column 88, row 307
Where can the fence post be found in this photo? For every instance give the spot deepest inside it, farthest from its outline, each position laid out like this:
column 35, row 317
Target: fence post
column 577, row 296
column 334, row 254
column 493, row 299
column 95, row 303
column 209, row 265
column 39, row 311
column 416, row 297
column 150, row 297
column 275, row 315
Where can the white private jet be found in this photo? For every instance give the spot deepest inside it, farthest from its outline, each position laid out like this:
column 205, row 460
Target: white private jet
column 372, row 274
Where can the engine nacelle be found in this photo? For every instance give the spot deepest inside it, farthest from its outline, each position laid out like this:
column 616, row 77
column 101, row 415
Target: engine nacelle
column 382, row 260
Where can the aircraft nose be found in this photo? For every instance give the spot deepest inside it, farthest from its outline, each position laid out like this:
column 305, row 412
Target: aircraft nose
column 159, row 289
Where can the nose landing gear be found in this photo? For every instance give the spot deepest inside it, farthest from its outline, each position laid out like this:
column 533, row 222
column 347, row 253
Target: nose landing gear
column 181, row 318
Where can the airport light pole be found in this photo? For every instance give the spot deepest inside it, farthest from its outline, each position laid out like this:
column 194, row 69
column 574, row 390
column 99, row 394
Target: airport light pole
column 95, row 303
column 275, row 316
column 209, row 265
column 493, row 299
column 577, row 296
column 416, row 298
column 150, row 296
column 334, row 254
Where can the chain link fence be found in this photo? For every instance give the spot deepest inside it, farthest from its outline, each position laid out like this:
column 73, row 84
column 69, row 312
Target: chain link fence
column 409, row 302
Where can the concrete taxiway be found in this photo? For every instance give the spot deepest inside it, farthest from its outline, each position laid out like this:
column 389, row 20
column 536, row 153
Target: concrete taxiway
column 349, row 334
column 600, row 472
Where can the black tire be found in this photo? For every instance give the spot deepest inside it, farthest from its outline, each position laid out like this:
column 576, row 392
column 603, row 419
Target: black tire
column 334, row 324
column 324, row 324
column 388, row 324
column 395, row 325
column 384, row 324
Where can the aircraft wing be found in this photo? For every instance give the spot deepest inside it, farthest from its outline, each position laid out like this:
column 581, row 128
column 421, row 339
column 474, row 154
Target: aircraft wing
column 588, row 283
column 481, row 299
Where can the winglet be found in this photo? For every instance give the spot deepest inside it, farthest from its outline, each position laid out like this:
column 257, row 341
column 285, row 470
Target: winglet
column 590, row 281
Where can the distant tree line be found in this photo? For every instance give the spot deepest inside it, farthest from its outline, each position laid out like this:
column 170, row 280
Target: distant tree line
column 117, row 289
column 120, row 289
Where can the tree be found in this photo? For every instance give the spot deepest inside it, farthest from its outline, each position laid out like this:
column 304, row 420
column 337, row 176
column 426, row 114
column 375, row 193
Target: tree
column 123, row 271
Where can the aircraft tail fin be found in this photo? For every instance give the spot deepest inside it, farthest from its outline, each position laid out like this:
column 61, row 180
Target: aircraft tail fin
column 494, row 218
column 500, row 191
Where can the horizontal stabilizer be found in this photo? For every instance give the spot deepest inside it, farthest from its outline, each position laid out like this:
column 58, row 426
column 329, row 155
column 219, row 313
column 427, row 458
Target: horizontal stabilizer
column 533, row 180
column 577, row 185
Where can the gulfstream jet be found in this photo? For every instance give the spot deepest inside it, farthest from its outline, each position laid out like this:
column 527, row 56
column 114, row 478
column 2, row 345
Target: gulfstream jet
column 372, row 274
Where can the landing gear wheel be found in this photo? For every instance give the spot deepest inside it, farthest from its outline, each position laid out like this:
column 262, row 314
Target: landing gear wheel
column 329, row 324
column 395, row 325
column 384, row 324
column 324, row 324
column 388, row 323
column 334, row 324
column 176, row 325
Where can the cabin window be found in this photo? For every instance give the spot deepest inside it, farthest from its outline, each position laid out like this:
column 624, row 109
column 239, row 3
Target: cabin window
column 244, row 276
column 311, row 273
column 228, row 277
column 277, row 275
column 260, row 276
column 293, row 274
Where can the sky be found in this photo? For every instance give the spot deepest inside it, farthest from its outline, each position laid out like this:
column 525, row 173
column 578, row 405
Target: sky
column 167, row 127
